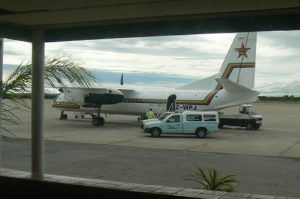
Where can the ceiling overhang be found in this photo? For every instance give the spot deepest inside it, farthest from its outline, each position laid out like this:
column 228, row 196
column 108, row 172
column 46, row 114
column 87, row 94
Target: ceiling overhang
column 65, row 20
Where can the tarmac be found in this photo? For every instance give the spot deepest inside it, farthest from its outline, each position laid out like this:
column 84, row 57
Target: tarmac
column 279, row 135
column 266, row 161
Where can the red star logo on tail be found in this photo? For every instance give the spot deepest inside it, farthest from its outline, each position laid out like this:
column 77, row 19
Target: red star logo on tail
column 242, row 51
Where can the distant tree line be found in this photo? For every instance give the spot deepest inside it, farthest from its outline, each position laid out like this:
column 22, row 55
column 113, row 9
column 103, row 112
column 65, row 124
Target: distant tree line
column 285, row 98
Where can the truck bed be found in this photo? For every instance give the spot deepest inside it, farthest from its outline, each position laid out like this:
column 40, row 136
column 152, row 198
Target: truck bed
column 238, row 120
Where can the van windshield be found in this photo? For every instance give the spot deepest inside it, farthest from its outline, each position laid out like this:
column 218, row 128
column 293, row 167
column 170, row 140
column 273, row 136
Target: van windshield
column 164, row 115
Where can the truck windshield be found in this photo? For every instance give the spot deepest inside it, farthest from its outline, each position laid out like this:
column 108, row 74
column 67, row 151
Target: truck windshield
column 252, row 110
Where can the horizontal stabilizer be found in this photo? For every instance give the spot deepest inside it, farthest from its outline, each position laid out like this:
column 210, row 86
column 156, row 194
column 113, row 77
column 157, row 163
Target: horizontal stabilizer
column 233, row 87
column 202, row 84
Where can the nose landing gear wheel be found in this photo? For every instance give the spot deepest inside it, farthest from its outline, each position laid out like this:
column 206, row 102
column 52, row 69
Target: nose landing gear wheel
column 98, row 121
column 63, row 116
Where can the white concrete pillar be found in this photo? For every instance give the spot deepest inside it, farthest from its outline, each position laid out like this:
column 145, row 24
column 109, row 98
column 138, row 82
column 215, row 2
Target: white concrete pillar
column 1, row 88
column 37, row 104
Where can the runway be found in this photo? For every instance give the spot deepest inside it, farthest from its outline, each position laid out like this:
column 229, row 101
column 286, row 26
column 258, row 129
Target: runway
column 265, row 161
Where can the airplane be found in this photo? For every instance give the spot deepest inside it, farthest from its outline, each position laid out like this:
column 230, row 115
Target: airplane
column 231, row 86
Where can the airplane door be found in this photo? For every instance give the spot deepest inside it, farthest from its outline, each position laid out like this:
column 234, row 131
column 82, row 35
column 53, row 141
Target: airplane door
column 171, row 103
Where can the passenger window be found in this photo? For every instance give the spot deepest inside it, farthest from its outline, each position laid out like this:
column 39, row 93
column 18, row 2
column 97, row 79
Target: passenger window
column 209, row 117
column 194, row 118
column 177, row 118
column 174, row 118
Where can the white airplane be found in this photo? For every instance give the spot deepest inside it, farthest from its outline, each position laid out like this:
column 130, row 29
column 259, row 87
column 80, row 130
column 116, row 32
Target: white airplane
column 231, row 86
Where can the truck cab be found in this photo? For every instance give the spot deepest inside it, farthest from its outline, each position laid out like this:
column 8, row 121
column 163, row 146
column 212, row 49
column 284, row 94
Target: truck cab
column 246, row 117
column 161, row 117
column 188, row 122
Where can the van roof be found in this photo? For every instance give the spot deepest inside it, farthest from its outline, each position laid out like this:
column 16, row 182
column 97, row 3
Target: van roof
column 199, row 112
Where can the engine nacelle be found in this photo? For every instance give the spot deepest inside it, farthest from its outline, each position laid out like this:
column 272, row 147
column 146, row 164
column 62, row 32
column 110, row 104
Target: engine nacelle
column 103, row 98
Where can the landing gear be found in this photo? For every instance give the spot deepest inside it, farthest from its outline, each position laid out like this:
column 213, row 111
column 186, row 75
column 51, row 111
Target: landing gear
column 97, row 120
column 63, row 116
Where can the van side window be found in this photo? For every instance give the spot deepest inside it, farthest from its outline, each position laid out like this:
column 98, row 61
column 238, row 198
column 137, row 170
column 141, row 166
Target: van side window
column 209, row 117
column 194, row 118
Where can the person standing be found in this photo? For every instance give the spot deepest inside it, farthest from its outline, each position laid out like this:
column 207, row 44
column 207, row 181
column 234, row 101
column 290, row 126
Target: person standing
column 150, row 114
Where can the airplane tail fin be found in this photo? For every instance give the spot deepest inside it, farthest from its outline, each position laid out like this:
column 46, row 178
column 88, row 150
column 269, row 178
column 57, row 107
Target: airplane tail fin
column 239, row 64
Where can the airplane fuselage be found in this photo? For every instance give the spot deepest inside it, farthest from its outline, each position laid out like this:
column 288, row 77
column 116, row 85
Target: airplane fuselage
column 141, row 100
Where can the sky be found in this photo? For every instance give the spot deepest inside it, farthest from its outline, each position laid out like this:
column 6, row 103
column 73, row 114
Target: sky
column 170, row 59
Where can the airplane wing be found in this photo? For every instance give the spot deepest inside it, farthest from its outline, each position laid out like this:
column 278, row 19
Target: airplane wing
column 126, row 91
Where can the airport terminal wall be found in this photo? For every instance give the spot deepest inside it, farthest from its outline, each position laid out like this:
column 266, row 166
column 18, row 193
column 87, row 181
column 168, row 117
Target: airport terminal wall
column 19, row 184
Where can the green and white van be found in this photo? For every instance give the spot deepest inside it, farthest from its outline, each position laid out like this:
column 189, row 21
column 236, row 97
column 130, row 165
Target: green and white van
column 199, row 123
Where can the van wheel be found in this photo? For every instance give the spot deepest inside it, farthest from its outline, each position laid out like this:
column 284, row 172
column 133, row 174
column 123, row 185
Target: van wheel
column 201, row 133
column 155, row 132
column 249, row 126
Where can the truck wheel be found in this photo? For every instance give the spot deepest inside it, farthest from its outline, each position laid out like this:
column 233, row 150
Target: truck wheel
column 201, row 133
column 256, row 127
column 249, row 126
column 155, row 132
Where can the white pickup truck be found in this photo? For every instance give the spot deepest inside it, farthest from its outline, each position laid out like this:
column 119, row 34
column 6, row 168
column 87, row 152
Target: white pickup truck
column 246, row 117
column 188, row 122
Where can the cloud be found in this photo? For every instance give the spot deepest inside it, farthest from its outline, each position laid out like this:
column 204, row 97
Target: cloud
column 188, row 56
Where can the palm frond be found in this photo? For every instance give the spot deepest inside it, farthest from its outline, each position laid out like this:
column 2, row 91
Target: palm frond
column 214, row 181
column 66, row 70
column 57, row 72
column 203, row 176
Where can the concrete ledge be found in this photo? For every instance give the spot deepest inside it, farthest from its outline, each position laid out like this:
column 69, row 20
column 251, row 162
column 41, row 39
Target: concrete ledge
column 19, row 184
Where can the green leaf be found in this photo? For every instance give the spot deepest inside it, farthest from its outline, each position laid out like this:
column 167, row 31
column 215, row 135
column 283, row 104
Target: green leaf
column 214, row 181
column 57, row 71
